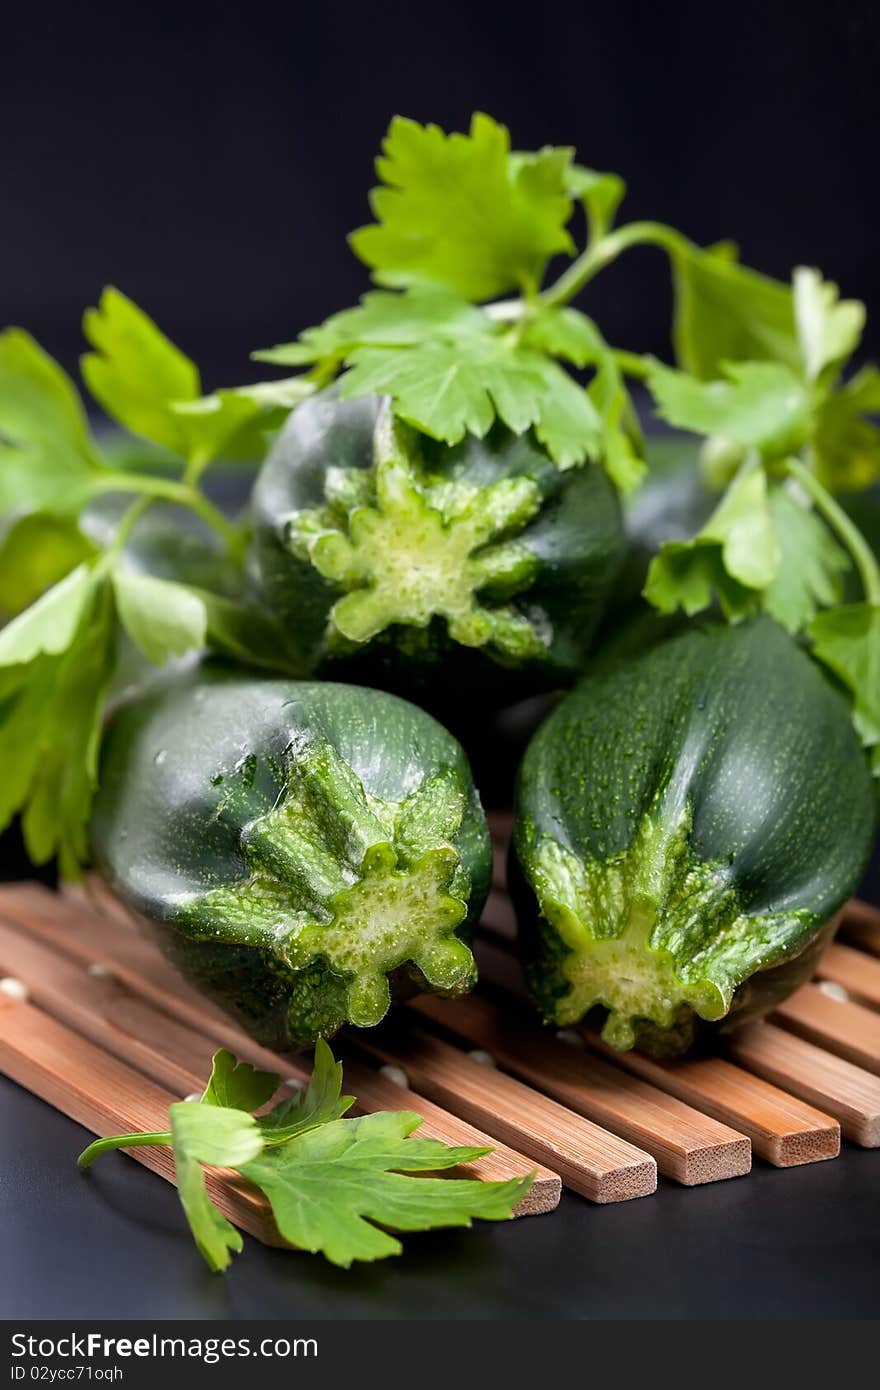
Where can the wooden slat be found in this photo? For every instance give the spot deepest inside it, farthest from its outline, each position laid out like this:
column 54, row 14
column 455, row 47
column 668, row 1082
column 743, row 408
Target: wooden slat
column 845, row 1091
column 107, row 1097
column 849, row 1030
column 783, row 1130
column 170, row 1028
column 688, row 1146
column 590, row 1160
column 855, row 971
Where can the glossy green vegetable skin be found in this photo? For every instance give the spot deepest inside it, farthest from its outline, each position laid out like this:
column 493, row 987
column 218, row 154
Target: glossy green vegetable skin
column 417, row 566
column 308, row 851
column 686, row 823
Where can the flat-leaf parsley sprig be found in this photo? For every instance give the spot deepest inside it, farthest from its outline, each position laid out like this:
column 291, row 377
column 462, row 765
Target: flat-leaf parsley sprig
column 790, row 429
column 68, row 597
column 336, row 1186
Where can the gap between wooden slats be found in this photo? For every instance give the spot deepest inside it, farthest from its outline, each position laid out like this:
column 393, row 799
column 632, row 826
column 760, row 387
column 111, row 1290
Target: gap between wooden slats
column 110, row 1010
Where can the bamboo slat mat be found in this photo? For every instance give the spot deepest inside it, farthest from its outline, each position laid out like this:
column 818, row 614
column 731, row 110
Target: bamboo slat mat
column 94, row 1021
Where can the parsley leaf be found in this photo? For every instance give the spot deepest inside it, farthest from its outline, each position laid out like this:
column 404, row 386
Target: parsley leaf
column 463, row 211
column 382, row 319
column 334, row 1185
column 725, row 312
column 448, row 387
column 56, row 660
column 846, row 445
column 220, row 1137
column 161, row 617
column 811, row 562
column 847, row 640
column 760, row 405
column 734, row 556
column 329, row 1186
column 320, row 1103
column 136, row 373
column 143, row 381
column 36, row 552
column 450, row 369
column 238, row 1085
column 829, row 328
column 601, row 195
column 47, row 460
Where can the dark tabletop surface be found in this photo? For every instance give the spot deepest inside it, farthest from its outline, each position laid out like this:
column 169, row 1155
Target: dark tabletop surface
column 780, row 1243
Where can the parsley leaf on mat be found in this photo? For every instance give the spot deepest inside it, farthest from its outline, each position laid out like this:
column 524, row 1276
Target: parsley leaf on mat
column 335, row 1185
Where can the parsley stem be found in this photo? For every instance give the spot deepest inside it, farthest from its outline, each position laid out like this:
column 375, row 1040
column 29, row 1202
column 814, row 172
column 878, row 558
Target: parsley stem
column 185, row 495
column 632, row 363
column 121, row 1141
column 602, row 252
column 128, row 521
column 845, row 527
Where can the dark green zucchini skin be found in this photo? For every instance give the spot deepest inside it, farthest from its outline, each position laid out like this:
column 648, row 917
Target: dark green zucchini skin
column 554, row 556
column 306, row 851
column 687, row 821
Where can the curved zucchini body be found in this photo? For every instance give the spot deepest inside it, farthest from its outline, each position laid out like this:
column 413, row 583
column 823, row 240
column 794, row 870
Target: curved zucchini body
column 307, row 851
column 408, row 562
column 686, row 823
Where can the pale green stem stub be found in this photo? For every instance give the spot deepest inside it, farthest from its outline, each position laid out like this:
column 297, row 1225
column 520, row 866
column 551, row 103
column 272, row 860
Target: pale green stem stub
column 652, row 930
column 362, row 885
column 405, row 547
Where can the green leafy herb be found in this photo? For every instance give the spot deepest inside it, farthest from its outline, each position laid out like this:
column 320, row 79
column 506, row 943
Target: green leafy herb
column 335, row 1185
column 760, row 405
column 329, row 1186
column 48, row 462
column 600, row 194
column 847, row 640
column 829, row 329
column 725, row 312
column 463, row 212
column 735, row 555
column 56, row 660
column 153, row 389
column 811, row 562
column 67, row 596
column 35, row 553
column 163, row 618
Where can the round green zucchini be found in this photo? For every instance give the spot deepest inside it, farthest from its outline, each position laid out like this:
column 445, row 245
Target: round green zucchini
column 421, row 567
column 687, row 822
column 307, row 851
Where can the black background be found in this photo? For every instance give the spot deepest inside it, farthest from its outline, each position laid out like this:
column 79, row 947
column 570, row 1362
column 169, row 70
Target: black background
column 209, row 160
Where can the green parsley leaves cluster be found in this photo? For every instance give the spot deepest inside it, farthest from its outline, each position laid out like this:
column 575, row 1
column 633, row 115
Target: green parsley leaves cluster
column 461, row 220
column 336, row 1187
column 785, row 430
column 68, row 598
